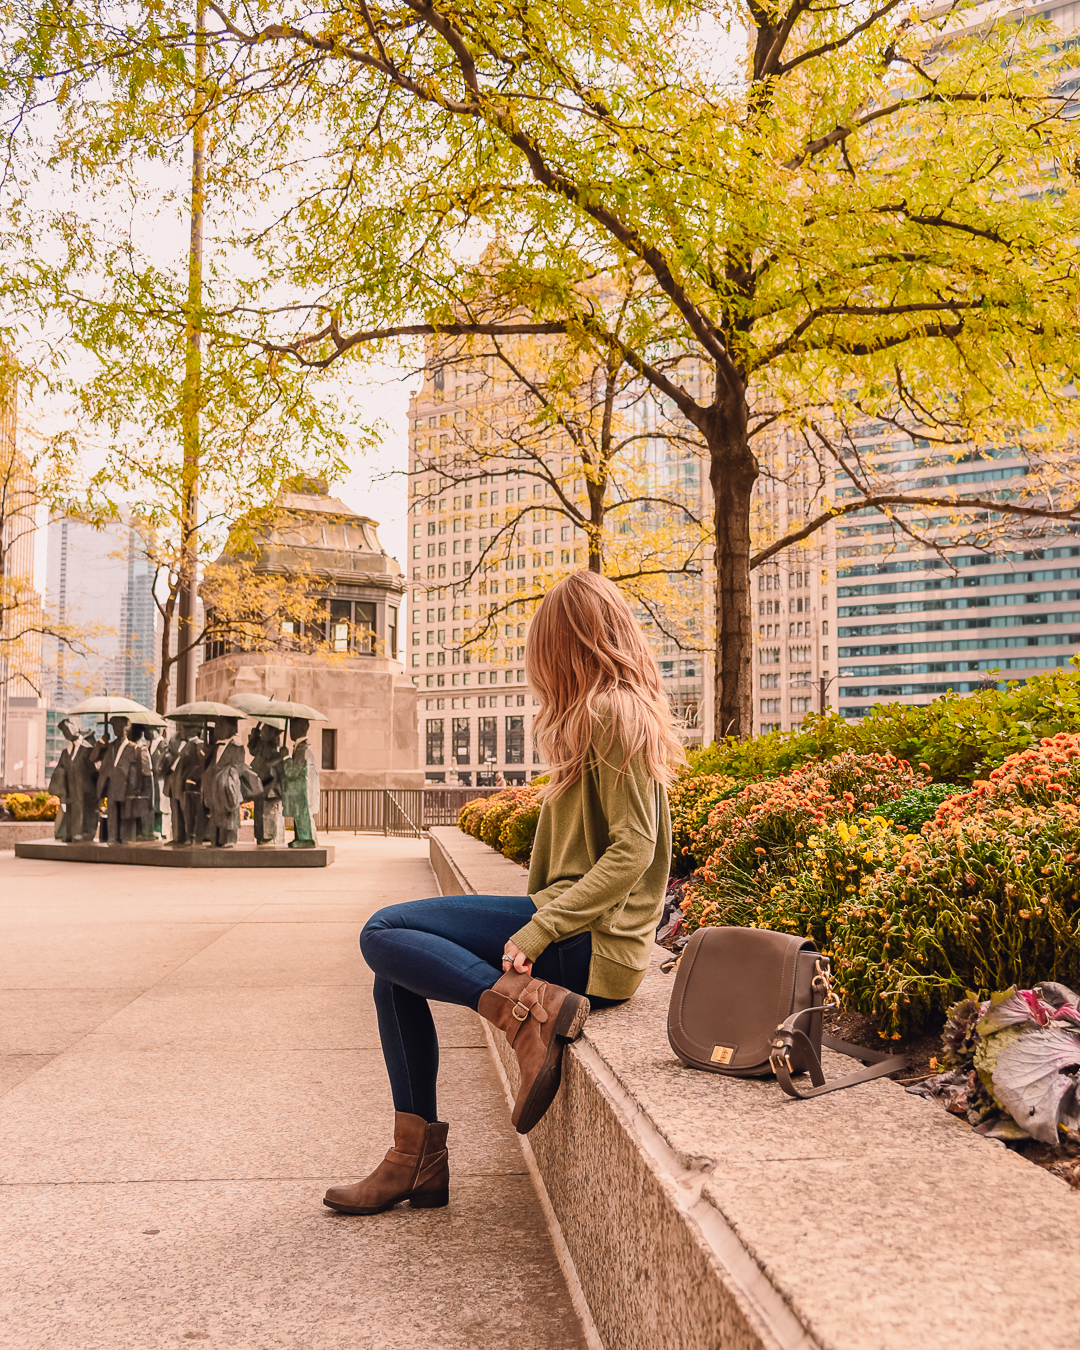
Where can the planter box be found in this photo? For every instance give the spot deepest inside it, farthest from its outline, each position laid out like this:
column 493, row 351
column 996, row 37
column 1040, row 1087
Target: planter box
column 14, row 832
column 709, row 1213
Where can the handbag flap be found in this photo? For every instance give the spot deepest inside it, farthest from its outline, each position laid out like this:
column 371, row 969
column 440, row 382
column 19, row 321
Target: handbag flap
column 733, row 988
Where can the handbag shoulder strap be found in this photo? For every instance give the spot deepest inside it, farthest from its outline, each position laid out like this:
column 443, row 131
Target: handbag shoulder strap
column 789, row 1037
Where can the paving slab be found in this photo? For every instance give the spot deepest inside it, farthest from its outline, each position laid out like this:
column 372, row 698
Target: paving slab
column 158, row 1115
column 14, row 1068
column 199, row 1062
column 325, row 952
column 238, row 1265
column 82, row 953
column 46, row 1021
column 304, row 1017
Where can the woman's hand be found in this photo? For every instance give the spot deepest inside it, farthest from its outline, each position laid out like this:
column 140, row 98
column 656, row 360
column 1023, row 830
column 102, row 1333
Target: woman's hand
column 518, row 960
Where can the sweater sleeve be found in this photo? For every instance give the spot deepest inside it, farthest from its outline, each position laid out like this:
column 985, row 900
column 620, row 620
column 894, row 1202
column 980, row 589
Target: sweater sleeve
column 629, row 803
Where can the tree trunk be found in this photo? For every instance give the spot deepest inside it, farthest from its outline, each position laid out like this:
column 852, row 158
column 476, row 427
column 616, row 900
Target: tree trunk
column 595, row 528
column 167, row 659
column 733, row 470
column 192, row 389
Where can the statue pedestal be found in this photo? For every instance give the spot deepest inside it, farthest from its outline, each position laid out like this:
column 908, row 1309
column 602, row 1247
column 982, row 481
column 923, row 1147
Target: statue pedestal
column 168, row 855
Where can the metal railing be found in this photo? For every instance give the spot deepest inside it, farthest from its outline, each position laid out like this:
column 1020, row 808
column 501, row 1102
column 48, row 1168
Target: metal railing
column 401, row 812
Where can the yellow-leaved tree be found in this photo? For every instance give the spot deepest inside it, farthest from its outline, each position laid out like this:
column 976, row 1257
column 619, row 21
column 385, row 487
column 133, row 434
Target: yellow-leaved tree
column 835, row 212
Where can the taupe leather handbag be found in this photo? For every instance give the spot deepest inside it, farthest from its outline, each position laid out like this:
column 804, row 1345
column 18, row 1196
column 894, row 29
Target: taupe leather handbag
column 739, row 994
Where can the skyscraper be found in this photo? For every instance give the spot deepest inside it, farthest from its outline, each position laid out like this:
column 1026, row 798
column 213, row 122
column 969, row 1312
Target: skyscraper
column 22, row 715
column 99, row 587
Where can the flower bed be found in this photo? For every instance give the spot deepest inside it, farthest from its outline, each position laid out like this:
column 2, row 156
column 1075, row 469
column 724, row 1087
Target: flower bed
column 24, row 807
column 986, row 895
column 919, row 891
column 506, row 821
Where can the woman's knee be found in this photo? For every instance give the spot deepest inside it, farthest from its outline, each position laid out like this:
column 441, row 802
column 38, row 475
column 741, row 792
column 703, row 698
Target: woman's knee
column 379, row 922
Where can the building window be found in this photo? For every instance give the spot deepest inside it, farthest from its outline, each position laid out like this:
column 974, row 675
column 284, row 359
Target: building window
column 461, row 740
column 800, row 705
column 216, row 646
column 351, row 626
column 329, row 748
column 487, row 740
column 391, row 633
column 515, row 740
column 435, row 740
column 364, row 628
column 770, row 705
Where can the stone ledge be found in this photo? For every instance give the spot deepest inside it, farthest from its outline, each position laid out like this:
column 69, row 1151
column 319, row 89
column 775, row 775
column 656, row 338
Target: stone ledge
column 707, row 1213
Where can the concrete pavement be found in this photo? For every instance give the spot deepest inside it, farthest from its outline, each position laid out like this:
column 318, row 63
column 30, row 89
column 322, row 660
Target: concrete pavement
column 187, row 1060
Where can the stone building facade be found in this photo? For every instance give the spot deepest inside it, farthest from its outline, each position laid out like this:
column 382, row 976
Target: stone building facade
column 370, row 737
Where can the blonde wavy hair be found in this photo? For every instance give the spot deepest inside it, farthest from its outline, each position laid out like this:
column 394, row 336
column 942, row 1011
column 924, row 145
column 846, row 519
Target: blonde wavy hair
column 587, row 660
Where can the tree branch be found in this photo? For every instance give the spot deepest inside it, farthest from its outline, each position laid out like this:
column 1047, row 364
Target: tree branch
column 902, row 499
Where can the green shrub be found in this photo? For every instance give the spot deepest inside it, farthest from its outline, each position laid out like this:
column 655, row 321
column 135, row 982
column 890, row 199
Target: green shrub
column 955, row 739
column 506, row 820
column 918, row 806
column 803, row 896
column 469, row 816
column 1045, row 775
column 519, row 829
column 496, row 811
column 987, row 896
column 777, row 752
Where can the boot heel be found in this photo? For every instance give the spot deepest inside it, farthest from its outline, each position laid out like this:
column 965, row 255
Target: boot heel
column 572, row 1017
column 430, row 1199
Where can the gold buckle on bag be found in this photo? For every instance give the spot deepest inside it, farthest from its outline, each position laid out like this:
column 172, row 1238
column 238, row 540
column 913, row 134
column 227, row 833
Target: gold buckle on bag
column 822, row 984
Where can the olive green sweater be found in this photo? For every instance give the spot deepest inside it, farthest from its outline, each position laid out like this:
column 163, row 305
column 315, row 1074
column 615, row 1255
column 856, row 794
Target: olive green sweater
column 600, row 862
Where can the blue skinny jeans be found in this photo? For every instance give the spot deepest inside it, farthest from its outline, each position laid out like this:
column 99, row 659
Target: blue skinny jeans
column 448, row 948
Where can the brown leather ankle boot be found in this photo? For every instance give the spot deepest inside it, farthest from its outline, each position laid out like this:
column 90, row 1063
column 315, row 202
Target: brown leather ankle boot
column 537, row 1019
column 415, row 1169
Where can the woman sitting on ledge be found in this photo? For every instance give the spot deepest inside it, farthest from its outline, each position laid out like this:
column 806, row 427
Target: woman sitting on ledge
column 596, row 889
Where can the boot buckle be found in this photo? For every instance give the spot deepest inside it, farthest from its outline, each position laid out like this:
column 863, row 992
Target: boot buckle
column 520, row 1011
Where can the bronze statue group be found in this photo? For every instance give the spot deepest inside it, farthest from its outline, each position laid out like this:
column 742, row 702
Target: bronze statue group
column 119, row 788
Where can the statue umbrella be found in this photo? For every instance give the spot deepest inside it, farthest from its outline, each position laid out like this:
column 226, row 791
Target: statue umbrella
column 204, row 710
column 258, row 705
column 147, row 719
column 110, row 705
